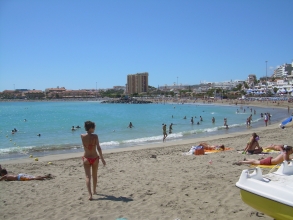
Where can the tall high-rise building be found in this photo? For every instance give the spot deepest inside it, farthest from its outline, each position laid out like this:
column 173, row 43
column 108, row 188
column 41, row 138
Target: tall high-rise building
column 137, row 83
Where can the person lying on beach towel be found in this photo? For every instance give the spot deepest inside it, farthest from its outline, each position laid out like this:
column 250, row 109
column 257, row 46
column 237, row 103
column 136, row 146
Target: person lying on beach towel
column 21, row 176
column 252, row 146
column 285, row 156
column 201, row 148
column 275, row 147
column 212, row 147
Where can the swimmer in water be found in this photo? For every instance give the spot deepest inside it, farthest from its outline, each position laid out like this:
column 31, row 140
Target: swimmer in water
column 213, row 120
column 130, row 125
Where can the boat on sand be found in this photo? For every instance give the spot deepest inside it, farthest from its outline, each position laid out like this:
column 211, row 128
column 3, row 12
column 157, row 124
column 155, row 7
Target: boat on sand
column 271, row 193
column 288, row 122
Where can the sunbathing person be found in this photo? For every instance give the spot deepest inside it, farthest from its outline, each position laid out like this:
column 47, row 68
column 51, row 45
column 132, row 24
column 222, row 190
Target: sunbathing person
column 270, row 160
column 252, row 146
column 212, row 147
column 21, row 176
column 276, row 147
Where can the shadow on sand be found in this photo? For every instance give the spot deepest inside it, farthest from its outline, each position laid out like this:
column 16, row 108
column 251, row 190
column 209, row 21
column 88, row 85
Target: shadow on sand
column 114, row 198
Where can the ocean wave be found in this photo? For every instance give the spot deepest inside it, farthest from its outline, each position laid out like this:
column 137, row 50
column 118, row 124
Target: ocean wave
column 30, row 149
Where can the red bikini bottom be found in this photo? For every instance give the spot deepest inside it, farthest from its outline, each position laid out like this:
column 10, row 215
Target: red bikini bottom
column 90, row 160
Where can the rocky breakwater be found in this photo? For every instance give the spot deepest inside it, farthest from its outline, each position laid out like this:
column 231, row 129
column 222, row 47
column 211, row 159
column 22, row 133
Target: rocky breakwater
column 127, row 101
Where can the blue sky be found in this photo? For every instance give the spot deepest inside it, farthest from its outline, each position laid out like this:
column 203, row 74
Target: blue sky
column 80, row 44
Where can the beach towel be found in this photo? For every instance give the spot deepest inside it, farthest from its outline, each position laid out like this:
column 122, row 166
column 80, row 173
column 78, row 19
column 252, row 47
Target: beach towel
column 268, row 151
column 266, row 166
column 216, row 151
column 194, row 148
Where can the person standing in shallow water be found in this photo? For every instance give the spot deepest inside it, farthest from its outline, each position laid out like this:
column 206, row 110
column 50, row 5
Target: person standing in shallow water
column 170, row 128
column 91, row 158
column 266, row 119
column 164, row 132
column 130, row 125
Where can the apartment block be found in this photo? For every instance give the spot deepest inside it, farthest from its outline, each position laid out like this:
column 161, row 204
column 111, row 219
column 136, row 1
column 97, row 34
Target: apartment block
column 137, row 83
column 283, row 71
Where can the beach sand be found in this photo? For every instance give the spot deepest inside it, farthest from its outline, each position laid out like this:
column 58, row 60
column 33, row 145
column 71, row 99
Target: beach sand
column 134, row 185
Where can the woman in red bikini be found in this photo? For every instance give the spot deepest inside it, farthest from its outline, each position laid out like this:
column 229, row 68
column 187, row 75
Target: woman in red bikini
column 90, row 158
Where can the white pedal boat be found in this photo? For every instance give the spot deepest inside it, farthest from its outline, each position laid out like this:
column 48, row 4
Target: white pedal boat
column 271, row 193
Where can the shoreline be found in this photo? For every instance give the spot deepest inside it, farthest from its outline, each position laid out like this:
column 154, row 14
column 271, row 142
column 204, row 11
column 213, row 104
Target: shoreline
column 255, row 102
column 167, row 144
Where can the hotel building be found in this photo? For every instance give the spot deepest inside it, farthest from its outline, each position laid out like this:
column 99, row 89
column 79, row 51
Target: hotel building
column 137, row 83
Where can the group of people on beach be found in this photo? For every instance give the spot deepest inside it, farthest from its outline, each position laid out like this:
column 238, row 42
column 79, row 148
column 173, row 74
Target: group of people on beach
column 253, row 147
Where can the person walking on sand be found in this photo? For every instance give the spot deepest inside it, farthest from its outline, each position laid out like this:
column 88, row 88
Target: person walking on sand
column 285, row 156
column 164, row 132
column 90, row 157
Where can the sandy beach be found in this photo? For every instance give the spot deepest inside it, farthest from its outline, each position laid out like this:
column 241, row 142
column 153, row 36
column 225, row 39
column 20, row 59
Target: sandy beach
column 134, row 185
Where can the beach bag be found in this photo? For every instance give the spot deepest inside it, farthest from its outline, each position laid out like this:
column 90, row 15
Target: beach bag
column 199, row 150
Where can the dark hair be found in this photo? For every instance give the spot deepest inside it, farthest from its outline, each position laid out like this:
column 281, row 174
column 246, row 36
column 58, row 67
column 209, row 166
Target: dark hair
column 222, row 147
column 254, row 135
column 287, row 148
column 88, row 125
column 3, row 172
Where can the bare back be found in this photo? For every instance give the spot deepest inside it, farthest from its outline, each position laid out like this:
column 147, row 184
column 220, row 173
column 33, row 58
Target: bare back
column 89, row 142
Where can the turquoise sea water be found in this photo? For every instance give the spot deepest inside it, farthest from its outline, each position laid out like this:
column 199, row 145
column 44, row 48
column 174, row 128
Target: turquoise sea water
column 53, row 120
